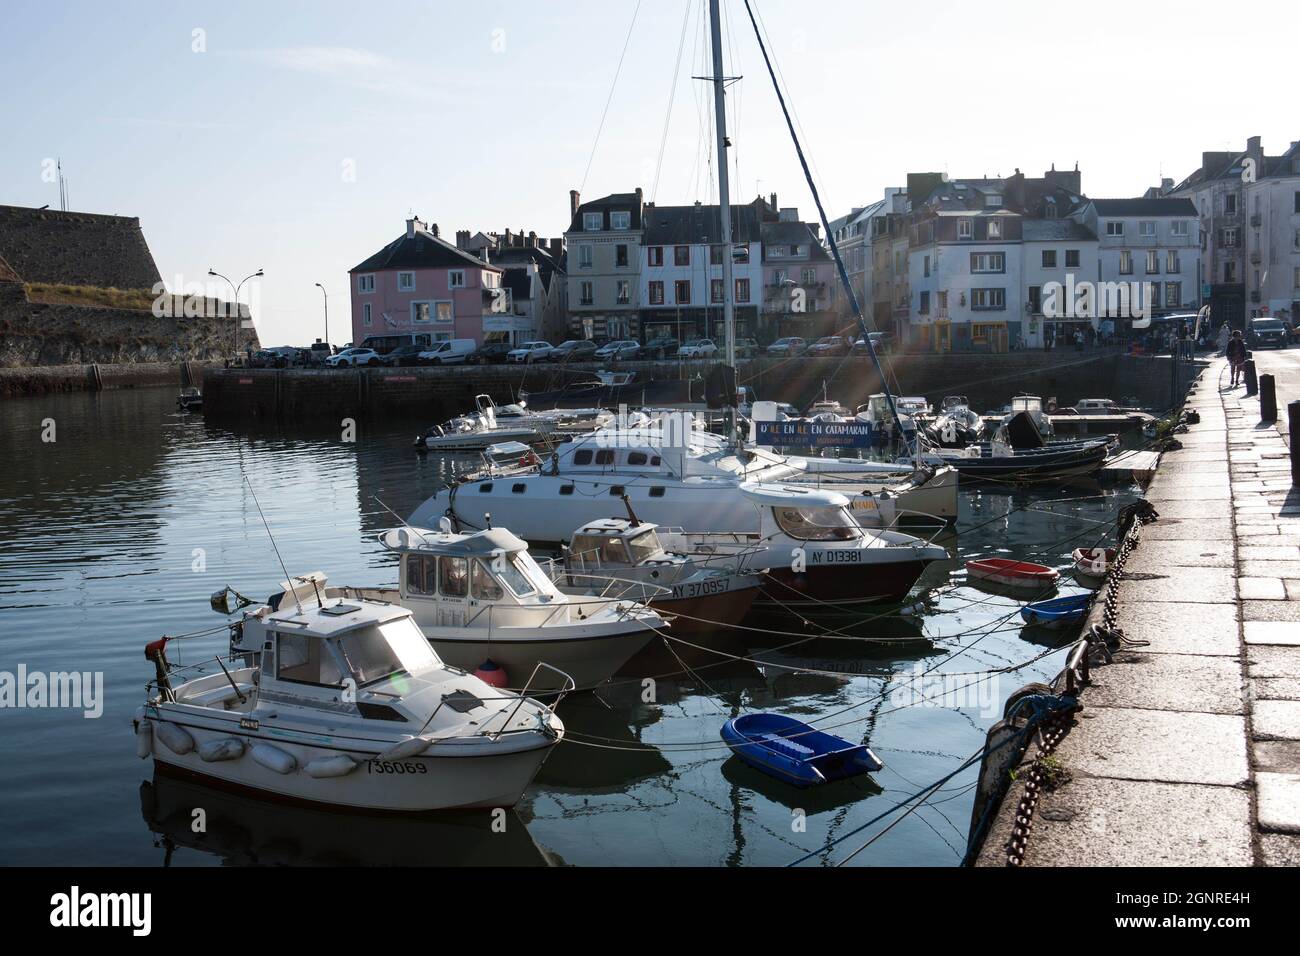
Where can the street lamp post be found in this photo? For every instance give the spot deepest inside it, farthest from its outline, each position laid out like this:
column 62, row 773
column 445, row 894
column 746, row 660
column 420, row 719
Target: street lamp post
column 327, row 311
column 235, row 289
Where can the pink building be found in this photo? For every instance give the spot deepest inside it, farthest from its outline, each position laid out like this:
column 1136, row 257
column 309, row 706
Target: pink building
column 421, row 284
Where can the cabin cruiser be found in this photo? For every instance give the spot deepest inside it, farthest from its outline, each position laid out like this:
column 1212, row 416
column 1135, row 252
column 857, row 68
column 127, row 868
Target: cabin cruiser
column 816, row 555
column 875, row 412
column 190, row 399
column 957, row 424
column 343, row 702
column 627, row 556
column 996, row 459
column 674, row 477
column 606, row 388
column 481, row 596
column 482, row 428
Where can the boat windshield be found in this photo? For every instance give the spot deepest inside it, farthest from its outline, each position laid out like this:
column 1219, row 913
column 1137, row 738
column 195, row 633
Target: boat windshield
column 816, row 524
column 598, row 550
column 517, row 574
column 644, row 546
column 387, row 650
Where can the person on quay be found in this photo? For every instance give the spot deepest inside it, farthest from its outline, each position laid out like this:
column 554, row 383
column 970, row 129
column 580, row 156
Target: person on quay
column 1236, row 352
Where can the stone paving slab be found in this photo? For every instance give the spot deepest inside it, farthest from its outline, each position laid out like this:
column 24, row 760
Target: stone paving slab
column 1169, row 746
column 1179, row 584
column 1271, row 632
column 1169, row 528
column 1286, row 609
column 1277, row 801
column 1276, row 720
column 1182, row 627
column 1194, row 509
column 1178, row 682
column 1278, row 756
column 1263, row 660
column 1279, row 849
column 1187, row 554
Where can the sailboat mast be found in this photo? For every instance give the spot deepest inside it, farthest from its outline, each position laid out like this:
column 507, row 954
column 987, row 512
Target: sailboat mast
column 724, row 197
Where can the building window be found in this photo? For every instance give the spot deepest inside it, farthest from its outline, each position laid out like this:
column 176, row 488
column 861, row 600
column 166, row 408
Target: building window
column 365, row 315
column 995, row 229
column 1153, row 293
column 992, row 201
column 1035, row 299
column 456, row 279
column 421, row 312
column 1230, row 204
column 592, row 221
column 742, row 290
column 682, row 292
column 924, row 307
column 656, row 293
column 1178, row 227
column 1230, row 237
column 624, row 295
column 620, row 254
column 1146, row 228
column 1295, row 279
column 1125, row 263
column 1071, row 258
column 1114, row 228
column 620, row 219
column 942, row 302
column 406, row 282
column 715, row 290
column 1173, row 295
column 1229, row 272
column 1171, row 262
column 1295, row 241
column 926, row 267
column 586, row 294
column 808, row 277
column 681, row 255
column 988, row 300
column 1297, row 202
column 964, row 230
column 1153, row 262
column 988, row 262
column 444, row 312
column 654, row 255
column 366, row 283
column 584, row 257
column 1049, row 258
column 715, row 255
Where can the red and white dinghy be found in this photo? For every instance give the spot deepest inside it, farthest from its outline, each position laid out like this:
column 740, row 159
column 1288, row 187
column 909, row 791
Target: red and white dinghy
column 1093, row 562
column 1013, row 574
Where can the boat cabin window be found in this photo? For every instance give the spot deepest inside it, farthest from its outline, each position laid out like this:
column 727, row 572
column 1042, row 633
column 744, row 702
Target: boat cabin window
column 605, row 456
column 616, row 491
column 378, row 653
column 597, row 550
column 453, row 577
column 816, row 524
column 582, row 457
column 644, row 545
column 485, row 587
column 485, row 488
column 656, row 491
column 421, row 574
column 514, row 571
column 637, row 458
column 566, row 489
column 301, row 659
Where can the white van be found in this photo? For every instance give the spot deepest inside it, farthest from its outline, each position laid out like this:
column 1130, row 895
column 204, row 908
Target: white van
column 450, row 352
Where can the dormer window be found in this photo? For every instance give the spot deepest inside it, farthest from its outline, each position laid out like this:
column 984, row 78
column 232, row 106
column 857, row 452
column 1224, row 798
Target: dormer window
column 995, row 229
column 592, row 221
column 620, row 219
column 964, row 229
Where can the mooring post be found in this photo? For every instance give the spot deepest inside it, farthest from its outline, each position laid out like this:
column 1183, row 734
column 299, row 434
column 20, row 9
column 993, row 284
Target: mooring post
column 1293, row 428
column 1267, row 399
column 1252, row 383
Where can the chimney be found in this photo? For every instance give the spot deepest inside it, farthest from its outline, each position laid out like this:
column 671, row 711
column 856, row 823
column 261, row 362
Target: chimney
column 640, row 199
column 507, row 243
column 532, row 239
column 557, row 248
column 462, row 238
column 574, row 203
column 773, row 202
column 1253, row 146
column 413, row 224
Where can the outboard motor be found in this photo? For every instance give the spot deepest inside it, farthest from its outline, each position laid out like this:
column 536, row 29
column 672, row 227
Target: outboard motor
column 1023, row 432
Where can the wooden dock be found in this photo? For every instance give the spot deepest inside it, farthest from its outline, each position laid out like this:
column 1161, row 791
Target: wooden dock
column 1125, row 465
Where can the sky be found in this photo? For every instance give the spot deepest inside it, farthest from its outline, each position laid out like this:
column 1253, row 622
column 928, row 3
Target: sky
column 297, row 137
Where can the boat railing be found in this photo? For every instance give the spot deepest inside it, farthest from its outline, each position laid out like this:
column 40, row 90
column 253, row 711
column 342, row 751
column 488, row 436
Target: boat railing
column 567, row 686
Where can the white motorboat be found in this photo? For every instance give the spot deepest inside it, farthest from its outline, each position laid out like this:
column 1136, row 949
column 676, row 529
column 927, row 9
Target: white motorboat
column 481, row 597
column 482, row 428
column 626, row 556
column 344, row 703
column 957, row 425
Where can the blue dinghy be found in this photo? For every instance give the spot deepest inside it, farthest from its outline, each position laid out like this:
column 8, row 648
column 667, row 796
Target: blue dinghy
column 1058, row 612
column 790, row 750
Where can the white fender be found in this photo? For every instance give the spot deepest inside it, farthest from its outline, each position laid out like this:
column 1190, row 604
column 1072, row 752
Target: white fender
column 144, row 739
column 340, row 765
column 411, row 747
column 177, row 739
column 224, row 748
column 273, row 758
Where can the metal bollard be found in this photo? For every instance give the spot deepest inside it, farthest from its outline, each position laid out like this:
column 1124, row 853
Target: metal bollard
column 1293, row 429
column 1267, row 398
column 1252, row 383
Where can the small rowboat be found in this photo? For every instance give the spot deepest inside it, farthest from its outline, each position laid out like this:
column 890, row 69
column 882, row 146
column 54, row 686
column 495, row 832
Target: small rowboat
column 1092, row 563
column 790, row 750
column 1012, row 574
column 1058, row 612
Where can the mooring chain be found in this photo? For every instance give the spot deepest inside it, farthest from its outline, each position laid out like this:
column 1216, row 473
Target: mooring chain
column 1038, row 776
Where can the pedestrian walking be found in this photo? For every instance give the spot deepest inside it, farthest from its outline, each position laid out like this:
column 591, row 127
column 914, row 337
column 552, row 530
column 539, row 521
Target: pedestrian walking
column 1224, row 335
column 1236, row 352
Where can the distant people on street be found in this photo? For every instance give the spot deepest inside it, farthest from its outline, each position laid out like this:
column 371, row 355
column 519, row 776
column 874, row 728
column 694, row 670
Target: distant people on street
column 1224, row 335
column 1236, row 352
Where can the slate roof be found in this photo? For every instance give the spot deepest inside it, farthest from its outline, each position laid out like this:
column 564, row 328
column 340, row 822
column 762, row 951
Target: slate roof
column 1049, row 230
column 697, row 224
column 621, row 202
column 424, row 250
column 519, row 283
column 516, row 256
column 791, row 234
column 77, row 248
column 1159, row 206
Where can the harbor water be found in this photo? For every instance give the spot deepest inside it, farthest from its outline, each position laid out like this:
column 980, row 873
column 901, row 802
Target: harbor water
column 122, row 515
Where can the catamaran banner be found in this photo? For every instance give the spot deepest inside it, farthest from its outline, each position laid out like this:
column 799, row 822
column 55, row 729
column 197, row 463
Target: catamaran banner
column 814, row 434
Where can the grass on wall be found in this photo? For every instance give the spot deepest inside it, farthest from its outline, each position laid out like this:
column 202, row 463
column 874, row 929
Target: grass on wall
column 50, row 293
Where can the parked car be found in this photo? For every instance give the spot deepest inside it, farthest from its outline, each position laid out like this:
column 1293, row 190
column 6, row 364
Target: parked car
column 573, row 350
column 660, row 348
column 448, row 352
column 881, row 341
column 829, row 345
column 404, row 355
column 789, row 346
column 1266, row 333
column 618, row 350
column 529, row 352
column 491, row 353
column 351, row 358
column 318, row 352
column 697, row 349
column 746, row 348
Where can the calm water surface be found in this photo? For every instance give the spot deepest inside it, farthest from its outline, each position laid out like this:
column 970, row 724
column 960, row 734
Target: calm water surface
column 118, row 531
